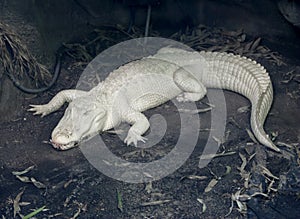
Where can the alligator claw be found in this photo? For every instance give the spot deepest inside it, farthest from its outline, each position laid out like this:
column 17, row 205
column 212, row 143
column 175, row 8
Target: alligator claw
column 133, row 137
column 43, row 110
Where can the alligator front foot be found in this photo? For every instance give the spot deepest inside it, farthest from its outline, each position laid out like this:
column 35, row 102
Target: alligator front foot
column 134, row 137
column 42, row 110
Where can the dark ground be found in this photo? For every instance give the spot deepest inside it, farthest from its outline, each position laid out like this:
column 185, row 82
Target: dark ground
column 22, row 146
column 73, row 185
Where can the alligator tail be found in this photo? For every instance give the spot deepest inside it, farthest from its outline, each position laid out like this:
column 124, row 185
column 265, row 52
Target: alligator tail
column 244, row 76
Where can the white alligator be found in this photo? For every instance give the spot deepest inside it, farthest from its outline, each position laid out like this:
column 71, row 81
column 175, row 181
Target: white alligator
column 152, row 81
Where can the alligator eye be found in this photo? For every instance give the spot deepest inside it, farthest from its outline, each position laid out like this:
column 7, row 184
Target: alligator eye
column 86, row 112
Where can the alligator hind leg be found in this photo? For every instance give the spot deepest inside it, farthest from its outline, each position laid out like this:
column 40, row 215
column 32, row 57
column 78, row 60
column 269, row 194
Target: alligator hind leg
column 193, row 90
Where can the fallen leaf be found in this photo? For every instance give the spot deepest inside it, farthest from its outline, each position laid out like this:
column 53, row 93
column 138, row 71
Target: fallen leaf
column 16, row 203
column 244, row 162
column 203, row 204
column 251, row 135
column 18, row 173
column 159, row 202
column 37, row 184
column 210, row 185
column 255, row 44
column 119, row 201
column 23, row 179
column 34, row 213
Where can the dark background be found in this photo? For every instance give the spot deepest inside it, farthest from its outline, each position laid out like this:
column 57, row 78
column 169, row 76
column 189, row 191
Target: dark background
column 73, row 185
column 62, row 21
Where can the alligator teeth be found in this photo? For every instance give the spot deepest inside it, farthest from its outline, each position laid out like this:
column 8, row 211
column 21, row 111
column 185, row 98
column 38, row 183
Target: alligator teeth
column 63, row 146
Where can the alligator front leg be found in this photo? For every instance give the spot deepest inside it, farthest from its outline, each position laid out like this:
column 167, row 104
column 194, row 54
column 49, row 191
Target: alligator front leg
column 57, row 101
column 140, row 125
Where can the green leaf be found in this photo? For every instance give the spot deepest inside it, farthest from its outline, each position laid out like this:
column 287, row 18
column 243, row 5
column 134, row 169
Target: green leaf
column 34, row 213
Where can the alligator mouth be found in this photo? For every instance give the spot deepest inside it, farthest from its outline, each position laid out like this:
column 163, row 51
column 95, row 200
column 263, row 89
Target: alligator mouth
column 63, row 147
column 71, row 144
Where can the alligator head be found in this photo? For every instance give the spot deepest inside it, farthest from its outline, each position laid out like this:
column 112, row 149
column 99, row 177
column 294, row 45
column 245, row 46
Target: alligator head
column 83, row 118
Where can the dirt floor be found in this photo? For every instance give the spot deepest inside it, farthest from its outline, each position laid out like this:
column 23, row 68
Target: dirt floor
column 250, row 180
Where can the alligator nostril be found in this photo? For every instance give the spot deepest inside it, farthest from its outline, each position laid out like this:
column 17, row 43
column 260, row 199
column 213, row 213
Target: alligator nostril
column 68, row 133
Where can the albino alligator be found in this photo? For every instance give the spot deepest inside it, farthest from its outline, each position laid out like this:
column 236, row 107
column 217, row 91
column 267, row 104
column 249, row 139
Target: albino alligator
column 151, row 81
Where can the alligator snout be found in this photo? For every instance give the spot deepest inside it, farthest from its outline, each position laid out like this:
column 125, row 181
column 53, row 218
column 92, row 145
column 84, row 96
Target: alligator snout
column 62, row 140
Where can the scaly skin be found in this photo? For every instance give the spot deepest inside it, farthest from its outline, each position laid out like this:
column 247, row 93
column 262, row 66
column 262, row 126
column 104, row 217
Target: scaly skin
column 151, row 81
column 252, row 81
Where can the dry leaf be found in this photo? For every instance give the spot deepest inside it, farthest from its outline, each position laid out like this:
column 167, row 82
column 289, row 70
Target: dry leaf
column 23, row 179
column 210, row 185
column 37, row 184
column 18, row 173
column 16, row 203
column 203, row 204
column 155, row 203
column 244, row 163
column 251, row 136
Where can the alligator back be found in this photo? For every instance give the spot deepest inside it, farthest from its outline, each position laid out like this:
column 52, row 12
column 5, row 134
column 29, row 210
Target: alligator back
column 212, row 69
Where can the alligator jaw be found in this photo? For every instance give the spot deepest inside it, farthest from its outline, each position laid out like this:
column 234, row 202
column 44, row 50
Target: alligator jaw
column 63, row 147
column 72, row 144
